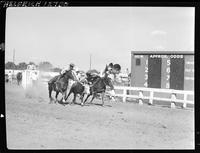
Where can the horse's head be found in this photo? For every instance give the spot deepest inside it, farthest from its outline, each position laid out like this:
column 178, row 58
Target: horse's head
column 69, row 75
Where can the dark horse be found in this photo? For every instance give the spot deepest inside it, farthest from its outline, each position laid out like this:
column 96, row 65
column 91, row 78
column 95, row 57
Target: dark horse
column 79, row 88
column 99, row 86
column 19, row 78
column 59, row 84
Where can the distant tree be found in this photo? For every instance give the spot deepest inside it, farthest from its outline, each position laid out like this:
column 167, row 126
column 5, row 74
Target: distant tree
column 45, row 66
column 22, row 66
column 31, row 63
column 10, row 65
column 56, row 69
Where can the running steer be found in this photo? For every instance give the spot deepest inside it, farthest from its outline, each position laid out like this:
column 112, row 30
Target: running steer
column 79, row 88
column 99, row 86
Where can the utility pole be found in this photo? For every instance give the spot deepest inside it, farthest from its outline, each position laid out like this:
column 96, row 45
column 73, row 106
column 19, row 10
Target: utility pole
column 14, row 56
column 13, row 59
column 90, row 61
column 13, row 62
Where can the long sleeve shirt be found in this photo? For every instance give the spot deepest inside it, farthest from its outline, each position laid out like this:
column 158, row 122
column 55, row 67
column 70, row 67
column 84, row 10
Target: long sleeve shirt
column 73, row 73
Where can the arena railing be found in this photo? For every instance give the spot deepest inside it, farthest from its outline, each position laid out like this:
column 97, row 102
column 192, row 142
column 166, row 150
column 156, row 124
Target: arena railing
column 151, row 95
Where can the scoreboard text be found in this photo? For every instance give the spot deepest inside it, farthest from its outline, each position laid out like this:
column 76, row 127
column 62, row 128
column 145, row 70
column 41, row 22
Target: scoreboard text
column 168, row 71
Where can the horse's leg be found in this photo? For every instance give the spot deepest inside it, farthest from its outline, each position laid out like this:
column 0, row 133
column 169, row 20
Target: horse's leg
column 74, row 100
column 87, row 98
column 50, row 91
column 94, row 95
column 57, row 92
column 82, row 96
column 63, row 97
column 102, row 98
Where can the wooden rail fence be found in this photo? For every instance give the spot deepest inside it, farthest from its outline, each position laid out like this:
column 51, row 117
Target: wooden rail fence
column 140, row 96
column 172, row 98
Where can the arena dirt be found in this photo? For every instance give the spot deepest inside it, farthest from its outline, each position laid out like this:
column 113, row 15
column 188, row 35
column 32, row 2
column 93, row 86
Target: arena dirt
column 33, row 123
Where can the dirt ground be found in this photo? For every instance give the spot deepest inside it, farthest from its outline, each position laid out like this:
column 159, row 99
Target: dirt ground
column 33, row 123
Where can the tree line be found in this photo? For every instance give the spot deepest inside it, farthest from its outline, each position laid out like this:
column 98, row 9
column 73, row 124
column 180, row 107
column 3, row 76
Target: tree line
column 44, row 66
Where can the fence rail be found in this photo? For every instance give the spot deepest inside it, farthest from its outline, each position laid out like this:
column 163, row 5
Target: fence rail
column 172, row 99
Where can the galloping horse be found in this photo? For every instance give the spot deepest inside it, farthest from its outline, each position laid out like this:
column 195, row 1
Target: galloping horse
column 59, row 84
column 99, row 86
column 19, row 78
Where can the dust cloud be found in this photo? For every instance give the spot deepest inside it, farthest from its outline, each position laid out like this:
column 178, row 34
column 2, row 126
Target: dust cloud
column 38, row 91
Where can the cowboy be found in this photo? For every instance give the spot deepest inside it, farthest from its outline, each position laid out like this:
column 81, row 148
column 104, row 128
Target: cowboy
column 34, row 77
column 72, row 69
column 10, row 76
column 111, row 71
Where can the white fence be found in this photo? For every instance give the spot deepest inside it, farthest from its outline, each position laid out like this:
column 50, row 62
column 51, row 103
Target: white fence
column 46, row 76
column 27, row 77
column 172, row 98
column 13, row 72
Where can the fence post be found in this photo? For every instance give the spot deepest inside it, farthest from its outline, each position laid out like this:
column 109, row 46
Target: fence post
column 140, row 97
column 151, row 98
column 173, row 99
column 185, row 99
column 124, row 95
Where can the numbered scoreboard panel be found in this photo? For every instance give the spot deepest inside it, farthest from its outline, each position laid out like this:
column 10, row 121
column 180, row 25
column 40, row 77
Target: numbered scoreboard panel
column 167, row 70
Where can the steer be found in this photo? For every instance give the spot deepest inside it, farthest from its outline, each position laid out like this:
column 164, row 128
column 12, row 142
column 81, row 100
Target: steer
column 80, row 88
column 99, row 86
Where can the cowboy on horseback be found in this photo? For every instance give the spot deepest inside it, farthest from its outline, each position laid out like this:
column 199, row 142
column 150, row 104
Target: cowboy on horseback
column 63, row 71
column 72, row 69
column 61, row 83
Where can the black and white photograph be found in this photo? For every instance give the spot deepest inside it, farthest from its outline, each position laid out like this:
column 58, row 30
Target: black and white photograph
column 99, row 77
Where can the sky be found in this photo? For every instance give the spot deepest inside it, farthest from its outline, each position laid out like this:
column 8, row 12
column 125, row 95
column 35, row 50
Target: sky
column 62, row 35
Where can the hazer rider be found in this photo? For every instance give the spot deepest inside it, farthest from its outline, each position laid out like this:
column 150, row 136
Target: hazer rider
column 70, row 68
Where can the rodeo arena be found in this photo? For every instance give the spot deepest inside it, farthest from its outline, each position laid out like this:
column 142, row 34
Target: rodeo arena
column 150, row 107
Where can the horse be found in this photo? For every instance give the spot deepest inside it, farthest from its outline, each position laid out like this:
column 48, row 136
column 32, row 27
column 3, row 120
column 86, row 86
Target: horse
column 59, row 84
column 99, row 86
column 19, row 78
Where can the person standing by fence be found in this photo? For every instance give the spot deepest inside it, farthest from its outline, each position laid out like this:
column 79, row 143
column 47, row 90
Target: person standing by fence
column 34, row 78
column 10, row 76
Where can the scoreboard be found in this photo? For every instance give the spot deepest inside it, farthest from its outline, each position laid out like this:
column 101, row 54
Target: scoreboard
column 167, row 70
